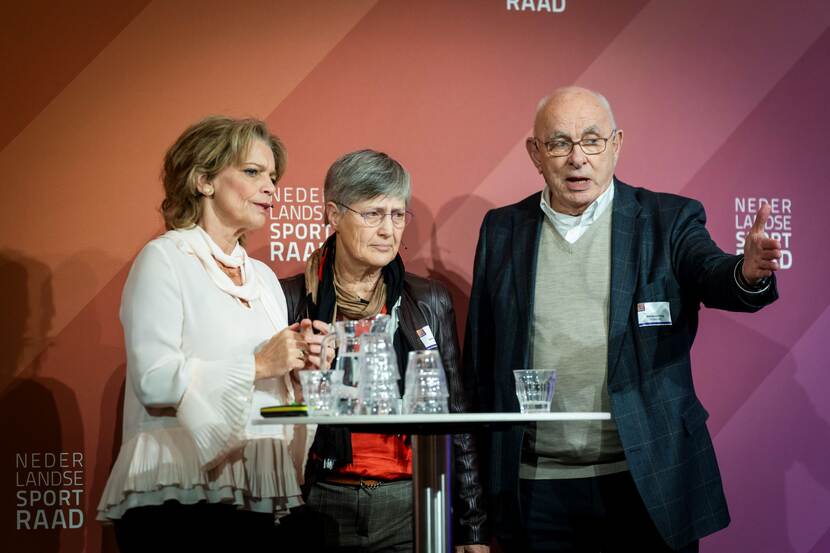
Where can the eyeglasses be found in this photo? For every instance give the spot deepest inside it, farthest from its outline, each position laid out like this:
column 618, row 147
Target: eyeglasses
column 561, row 147
column 374, row 217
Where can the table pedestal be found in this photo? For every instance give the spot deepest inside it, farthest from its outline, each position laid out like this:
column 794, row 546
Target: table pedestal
column 431, row 454
column 431, row 471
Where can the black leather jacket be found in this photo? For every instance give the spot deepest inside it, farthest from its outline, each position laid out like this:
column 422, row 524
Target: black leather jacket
column 427, row 302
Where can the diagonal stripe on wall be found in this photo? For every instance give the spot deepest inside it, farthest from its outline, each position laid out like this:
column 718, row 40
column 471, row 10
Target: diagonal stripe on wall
column 85, row 171
column 422, row 85
column 45, row 45
column 639, row 71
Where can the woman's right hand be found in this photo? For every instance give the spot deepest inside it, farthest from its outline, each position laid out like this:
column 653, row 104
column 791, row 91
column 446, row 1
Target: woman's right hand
column 285, row 351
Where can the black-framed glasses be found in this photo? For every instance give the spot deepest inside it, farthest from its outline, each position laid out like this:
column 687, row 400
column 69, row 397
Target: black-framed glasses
column 374, row 217
column 561, row 147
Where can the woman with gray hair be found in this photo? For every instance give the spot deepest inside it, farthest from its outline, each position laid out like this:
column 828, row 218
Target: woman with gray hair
column 359, row 486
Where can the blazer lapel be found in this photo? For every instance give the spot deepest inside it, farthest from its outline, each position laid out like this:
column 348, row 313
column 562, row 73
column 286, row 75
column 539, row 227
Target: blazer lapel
column 625, row 254
column 525, row 247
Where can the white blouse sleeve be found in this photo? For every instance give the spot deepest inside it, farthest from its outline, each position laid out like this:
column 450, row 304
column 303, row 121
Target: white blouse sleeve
column 211, row 397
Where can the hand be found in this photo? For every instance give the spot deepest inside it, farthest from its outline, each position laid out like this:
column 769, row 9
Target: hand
column 314, row 341
column 474, row 548
column 312, row 359
column 761, row 253
column 285, row 351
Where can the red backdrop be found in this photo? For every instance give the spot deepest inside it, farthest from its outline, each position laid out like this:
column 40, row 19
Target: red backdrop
column 721, row 101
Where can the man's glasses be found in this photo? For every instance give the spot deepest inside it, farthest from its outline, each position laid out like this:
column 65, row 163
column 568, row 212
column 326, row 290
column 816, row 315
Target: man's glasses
column 561, row 147
column 374, row 217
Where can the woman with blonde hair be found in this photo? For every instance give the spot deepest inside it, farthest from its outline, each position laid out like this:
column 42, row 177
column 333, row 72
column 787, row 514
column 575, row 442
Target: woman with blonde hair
column 208, row 344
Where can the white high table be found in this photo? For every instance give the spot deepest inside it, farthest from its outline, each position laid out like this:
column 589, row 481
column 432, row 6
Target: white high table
column 432, row 456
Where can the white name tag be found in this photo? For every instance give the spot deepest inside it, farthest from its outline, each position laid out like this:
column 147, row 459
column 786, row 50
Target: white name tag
column 425, row 334
column 654, row 313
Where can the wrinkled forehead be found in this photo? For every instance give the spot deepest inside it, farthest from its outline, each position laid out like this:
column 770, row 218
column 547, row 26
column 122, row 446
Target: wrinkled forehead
column 381, row 202
column 572, row 115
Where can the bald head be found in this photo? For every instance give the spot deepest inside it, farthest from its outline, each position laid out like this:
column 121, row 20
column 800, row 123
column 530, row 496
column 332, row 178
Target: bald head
column 568, row 122
column 569, row 95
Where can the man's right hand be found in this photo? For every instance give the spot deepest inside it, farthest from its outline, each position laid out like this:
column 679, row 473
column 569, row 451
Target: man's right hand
column 761, row 253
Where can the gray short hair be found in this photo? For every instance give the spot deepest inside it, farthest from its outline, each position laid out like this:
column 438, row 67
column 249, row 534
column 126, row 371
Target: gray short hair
column 366, row 174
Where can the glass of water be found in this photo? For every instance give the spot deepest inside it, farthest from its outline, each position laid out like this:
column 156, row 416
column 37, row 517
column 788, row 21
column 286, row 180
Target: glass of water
column 534, row 388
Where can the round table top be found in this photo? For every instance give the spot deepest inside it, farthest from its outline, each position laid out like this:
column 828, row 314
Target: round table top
column 450, row 422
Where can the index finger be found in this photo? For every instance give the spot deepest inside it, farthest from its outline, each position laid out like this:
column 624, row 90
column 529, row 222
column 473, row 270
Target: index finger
column 324, row 328
column 314, row 338
column 289, row 333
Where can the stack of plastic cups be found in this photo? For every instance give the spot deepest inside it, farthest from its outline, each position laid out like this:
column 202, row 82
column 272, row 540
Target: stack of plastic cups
column 425, row 390
column 378, row 392
column 320, row 390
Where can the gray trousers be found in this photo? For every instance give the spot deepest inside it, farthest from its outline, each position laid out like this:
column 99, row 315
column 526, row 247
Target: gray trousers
column 360, row 519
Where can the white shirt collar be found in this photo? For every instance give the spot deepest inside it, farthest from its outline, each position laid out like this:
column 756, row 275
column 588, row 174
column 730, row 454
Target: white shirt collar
column 572, row 227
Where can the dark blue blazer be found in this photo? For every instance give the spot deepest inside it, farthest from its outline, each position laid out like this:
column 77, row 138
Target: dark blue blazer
column 660, row 251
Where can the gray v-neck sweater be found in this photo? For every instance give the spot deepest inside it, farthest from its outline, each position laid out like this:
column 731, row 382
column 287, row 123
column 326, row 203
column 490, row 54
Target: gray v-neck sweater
column 570, row 334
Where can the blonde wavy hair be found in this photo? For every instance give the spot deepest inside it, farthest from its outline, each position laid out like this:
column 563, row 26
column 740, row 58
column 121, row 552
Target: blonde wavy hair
column 206, row 148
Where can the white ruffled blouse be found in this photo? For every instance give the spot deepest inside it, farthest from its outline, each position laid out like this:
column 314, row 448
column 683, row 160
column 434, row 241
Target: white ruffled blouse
column 190, row 397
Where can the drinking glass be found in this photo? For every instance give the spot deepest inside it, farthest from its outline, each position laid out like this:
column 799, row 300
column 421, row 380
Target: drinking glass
column 534, row 388
column 378, row 392
column 425, row 388
column 319, row 390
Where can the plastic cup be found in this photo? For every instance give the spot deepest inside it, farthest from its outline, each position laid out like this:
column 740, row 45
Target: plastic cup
column 320, row 390
column 378, row 392
column 534, row 389
column 425, row 390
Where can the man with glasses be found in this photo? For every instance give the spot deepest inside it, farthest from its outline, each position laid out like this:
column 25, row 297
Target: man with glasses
column 602, row 282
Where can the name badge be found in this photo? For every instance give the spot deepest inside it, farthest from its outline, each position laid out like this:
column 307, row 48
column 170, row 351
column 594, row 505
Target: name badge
column 654, row 313
column 425, row 334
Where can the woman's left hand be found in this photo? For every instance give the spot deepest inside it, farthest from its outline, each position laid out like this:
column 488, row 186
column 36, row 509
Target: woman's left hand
column 312, row 356
column 314, row 341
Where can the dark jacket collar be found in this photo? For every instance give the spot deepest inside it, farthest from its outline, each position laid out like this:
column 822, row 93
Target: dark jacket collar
column 527, row 228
